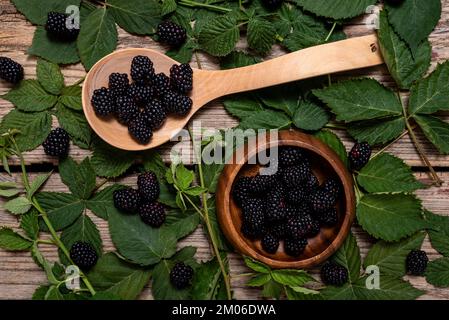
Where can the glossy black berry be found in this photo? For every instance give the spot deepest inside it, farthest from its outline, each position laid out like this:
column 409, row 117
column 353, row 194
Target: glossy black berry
column 278, row 229
column 321, row 200
column 127, row 199
column 181, row 275
column 141, row 93
column 155, row 114
column 83, row 255
column 416, row 262
column 126, row 109
column 291, row 156
column 359, row 155
column 241, row 190
column 181, row 78
column 295, row 247
column 118, row 84
column 57, row 143
column 10, row 70
column 253, row 219
column 60, row 28
column 177, row 104
column 142, row 70
column 140, row 130
column 295, row 175
column 103, row 102
column 311, row 183
column 171, row 33
column 301, row 227
column 296, row 195
column 148, row 186
column 276, row 205
column 262, row 183
column 270, row 243
column 333, row 187
column 334, row 274
column 328, row 218
column 161, row 85
column 152, row 214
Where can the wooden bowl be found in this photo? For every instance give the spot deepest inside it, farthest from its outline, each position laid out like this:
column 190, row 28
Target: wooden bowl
column 325, row 163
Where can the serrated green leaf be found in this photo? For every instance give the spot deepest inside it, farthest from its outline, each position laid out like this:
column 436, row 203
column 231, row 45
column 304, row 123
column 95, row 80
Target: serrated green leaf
column 377, row 132
column 102, row 202
column 272, row 289
column 237, row 59
column 211, row 174
column 242, row 106
column 168, row 6
column 291, row 278
column 437, row 273
column 60, row 52
column 404, row 67
column 265, row 119
column 184, row 177
column 36, row 11
column 40, row 292
column 303, row 294
column 19, row 205
column 37, row 183
column 29, row 96
column 387, row 173
column 334, row 142
column 80, row 178
column 29, row 222
column 360, row 99
column 184, row 53
column 438, row 232
column 181, row 224
column 75, row 124
column 97, row 38
column 259, row 280
column 337, row 9
column 8, row 193
column 390, row 217
column 436, row 130
column 256, row 265
column 260, row 35
column 310, row 116
column 71, row 97
column 390, row 257
column 348, row 256
column 167, row 195
column 12, row 241
column 195, row 191
column 391, row 288
column 219, row 36
column 109, row 161
column 49, row 76
column 284, row 98
column 207, row 281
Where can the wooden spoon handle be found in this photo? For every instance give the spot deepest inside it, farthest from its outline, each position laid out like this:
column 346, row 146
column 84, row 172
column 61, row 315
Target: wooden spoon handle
column 353, row 53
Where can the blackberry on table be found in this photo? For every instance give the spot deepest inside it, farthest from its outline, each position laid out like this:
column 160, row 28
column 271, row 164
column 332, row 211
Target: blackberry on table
column 10, row 70
column 142, row 70
column 57, row 143
column 171, row 33
column 152, row 214
column 177, row 104
column 56, row 27
column 334, row 274
column 416, row 262
column 140, row 92
column 321, row 200
column 333, row 187
column 295, row 175
column 83, row 255
column 359, row 155
column 148, row 186
column 181, row 275
column 118, row 84
column 181, row 78
column 276, row 206
column 161, row 85
column 127, row 199
column 291, row 156
column 126, row 109
column 140, row 130
column 155, row 114
column 103, row 102
column 328, row 218
column 241, row 190
column 296, row 195
column 300, row 227
column 295, row 247
column 270, row 243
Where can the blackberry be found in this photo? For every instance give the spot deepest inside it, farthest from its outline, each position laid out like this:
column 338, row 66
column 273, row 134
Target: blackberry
column 321, row 200
column 83, row 255
column 10, row 70
column 262, row 183
column 57, row 143
column 295, row 175
column 311, row 183
column 142, row 70
column 118, row 84
column 126, row 109
column 140, row 130
column 270, row 243
column 416, row 262
column 278, row 229
column 253, row 220
column 291, row 156
column 161, row 84
column 295, row 247
column 148, row 186
column 276, row 206
column 103, row 102
column 127, row 199
column 300, row 227
column 328, row 218
column 253, row 208
column 181, row 275
column 272, row 4
column 141, row 93
column 296, row 195
column 334, row 274
column 359, row 156
column 314, row 229
column 241, row 190
column 171, row 33
column 333, row 187
column 152, row 214
column 155, row 114
column 57, row 29
column 177, row 104
column 181, row 78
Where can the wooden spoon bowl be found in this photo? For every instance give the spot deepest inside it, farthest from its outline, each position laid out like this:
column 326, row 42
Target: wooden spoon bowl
column 325, row 163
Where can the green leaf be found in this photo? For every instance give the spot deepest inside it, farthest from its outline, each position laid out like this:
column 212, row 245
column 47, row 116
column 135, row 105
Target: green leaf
column 59, row 52
column 266, row 119
column 390, row 257
column 391, row 288
column 40, row 292
column 153, row 162
column 71, row 97
column 181, row 224
column 310, row 116
column 220, row 239
column 414, row 20
column 349, row 257
column 219, row 36
column 272, row 289
column 34, row 127
column 291, row 278
column 109, row 161
column 437, row 273
column 97, row 38
column 80, row 178
column 136, row 16
column 102, row 202
column 195, row 191
column 29, row 96
column 168, row 6
column 184, row 53
column 207, row 281
column 438, row 232
column 75, row 124
column 8, row 193
column 431, row 94
column 114, row 275
column 337, row 9
column 139, row 243
column 211, row 174
column 237, row 59
column 259, row 280
column 49, row 76
column 37, row 183
column 242, row 106
column 256, row 265
column 361, row 99
column 377, row 132
column 283, row 98
column 62, row 208
column 387, row 173
column 334, row 142
column 302, row 294
column 36, row 12
column 436, row 130
column 12, row 241
column 184, row 177
column 167, row 195
column 260, row 35
column 29, row 222
column 390, row 217
column 404, row 67
column 19, row 205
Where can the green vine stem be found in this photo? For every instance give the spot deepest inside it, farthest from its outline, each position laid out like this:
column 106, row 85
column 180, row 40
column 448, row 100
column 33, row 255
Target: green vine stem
column 194, row 4
column 402, row 135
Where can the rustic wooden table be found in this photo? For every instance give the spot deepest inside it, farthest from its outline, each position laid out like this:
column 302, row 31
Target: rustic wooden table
column 19, row 275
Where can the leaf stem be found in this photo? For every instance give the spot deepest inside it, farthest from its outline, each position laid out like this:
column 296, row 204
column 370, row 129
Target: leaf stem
column 331, row 32
column 402, row 135
column 46, row 241
column 335, row 126
column 193, row 4
column 197, row 58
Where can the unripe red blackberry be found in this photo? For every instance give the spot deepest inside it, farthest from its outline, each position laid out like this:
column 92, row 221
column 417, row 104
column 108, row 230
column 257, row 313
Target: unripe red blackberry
column 57, row 143
column 83, row 255
column 10, row 70
column 171, row 33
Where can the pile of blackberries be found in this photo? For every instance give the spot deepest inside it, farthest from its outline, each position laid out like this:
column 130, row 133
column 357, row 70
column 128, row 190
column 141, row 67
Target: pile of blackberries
column 143, row 200
column 290, row 205
column 144, row 104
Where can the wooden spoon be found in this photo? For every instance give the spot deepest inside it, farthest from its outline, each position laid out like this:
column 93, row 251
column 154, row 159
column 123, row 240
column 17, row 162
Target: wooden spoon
column 353, row 53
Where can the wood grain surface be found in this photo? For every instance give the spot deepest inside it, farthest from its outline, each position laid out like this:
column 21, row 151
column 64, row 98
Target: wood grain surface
column 19, row 275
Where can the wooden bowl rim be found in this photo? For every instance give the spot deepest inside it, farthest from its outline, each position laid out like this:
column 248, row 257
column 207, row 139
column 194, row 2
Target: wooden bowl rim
column 292, row 138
